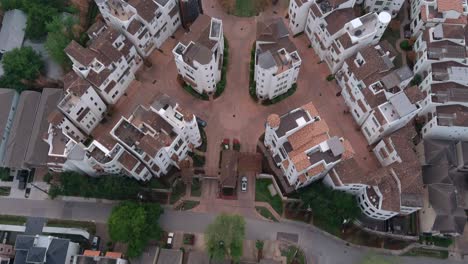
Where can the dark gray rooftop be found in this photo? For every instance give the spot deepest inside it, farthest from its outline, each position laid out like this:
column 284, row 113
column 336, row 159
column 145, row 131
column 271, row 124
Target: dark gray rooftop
column 21, row 130
column 36, row 254
column 289, row 121
column 7, row 97
column 266, row 60
column 12, row 32
column 24, row 242
column 36, row 154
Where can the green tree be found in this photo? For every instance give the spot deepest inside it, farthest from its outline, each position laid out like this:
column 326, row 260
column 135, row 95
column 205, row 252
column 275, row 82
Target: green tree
column 38, row 16
column 21, row 65
column 60, row 34
column 329, row 207
column 224, row 237
column 135, row 224
column 48, row 178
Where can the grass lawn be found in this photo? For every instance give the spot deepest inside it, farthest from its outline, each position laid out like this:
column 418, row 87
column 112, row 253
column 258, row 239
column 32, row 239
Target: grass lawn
column 421, row 252
column 12, row 220
column 265, row 213
column 196, row 188
column 262, row 194
column 5, row 191
column 245, row 8
column 203, row 146
column 177, row 192
column 88, row 226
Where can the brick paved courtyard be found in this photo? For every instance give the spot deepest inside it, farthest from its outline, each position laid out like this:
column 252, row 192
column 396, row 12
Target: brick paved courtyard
column 235, row 114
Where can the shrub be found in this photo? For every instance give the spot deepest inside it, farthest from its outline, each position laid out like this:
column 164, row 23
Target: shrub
column 405, row 45
column 330, row 77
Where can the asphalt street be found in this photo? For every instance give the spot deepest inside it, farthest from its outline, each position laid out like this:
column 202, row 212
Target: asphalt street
column 318, row 246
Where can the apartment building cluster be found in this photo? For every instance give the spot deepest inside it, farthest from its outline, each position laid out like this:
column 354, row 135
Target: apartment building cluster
column 334, row 30
column 277, row 61
column 199, row 56
column 300, row 144
column 146, row 23
column 90, row 132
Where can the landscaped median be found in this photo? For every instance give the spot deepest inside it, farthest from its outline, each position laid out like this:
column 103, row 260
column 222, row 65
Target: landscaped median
column 222, row 82
column 12, row 220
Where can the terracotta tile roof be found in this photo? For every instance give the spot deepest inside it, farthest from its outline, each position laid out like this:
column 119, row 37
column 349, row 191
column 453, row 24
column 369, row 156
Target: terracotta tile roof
column 273, row 120
column 409, row 171
column 316, row 170
column 114, row 255
column 388, row 187
column 373, row 63
column 311, row 109
column 336, row 20
column 55, row 117
column 301, row 162
column 82, row 55
column 345, row 41
column 349, row 151
column 302, row 178
column 128, row 161
column 75, row 84
column 414, row 94
column 349, row 172
column 450, row 5
column 362, row 106
column 307, row 133
column 92, row 253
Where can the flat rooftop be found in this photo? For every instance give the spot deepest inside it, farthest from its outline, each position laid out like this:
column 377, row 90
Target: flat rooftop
column 291, row 121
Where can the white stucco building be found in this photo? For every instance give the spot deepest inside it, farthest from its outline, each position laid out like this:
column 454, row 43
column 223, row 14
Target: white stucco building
column 335, row 32
column 391, row 6
column 108, row 63
column 395, row 189
column 429, row 13
column 277, row 62
column 301, row 146
column 81, row 103
column 199, row 56
column 146, row 23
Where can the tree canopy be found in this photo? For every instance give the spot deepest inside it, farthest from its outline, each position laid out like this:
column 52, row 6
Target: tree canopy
column 39, row 12
column 329, row 207
column 20, row 66
column 224, row 237
column 60, row 35
column 135, row 224
column 111, row 187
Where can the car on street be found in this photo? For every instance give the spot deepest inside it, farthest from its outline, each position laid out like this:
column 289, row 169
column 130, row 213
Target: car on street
column 27, row 192
column 95, row 243
column 244, row 184
column 201, row 122
column 170, row 240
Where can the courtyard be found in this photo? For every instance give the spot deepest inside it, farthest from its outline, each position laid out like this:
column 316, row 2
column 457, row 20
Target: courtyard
column 234, row 114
